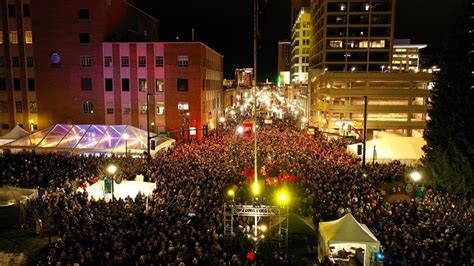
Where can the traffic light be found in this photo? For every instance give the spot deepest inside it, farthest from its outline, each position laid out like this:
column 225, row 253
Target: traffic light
column 205, row 131
column 181, row 132
column 152, row 144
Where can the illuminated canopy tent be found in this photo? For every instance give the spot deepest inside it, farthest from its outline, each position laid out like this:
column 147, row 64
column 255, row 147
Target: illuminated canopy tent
column 90, row 138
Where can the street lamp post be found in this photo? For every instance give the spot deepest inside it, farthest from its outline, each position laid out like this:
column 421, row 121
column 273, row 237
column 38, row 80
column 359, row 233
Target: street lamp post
column 125, row 137
column 148, row 124
column 112, row 169
column 415, row 177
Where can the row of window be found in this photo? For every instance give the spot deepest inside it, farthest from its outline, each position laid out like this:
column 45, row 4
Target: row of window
column 26, row 11
column 16, row 61
column 86, row 61
column 88, row 108
column 182, row 84
column 33, row 107
column 17, row 84
column 13, row 37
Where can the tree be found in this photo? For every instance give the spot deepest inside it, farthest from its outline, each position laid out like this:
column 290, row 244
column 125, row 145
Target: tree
column 449, row 159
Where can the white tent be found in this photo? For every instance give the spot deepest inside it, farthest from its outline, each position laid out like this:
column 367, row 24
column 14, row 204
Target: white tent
column 346, row 233
column 13, row 204
column 389, row 148
column 121, row 191
column 94, row 139
column 16, row 133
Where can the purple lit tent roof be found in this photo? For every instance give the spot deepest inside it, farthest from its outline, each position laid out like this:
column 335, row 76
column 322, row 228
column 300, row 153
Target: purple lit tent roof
column 89, row 138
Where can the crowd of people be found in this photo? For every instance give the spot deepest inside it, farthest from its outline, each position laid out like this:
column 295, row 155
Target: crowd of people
column 192, row 179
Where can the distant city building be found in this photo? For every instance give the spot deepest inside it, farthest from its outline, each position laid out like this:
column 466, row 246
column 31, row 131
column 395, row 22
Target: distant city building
column 284, row 56
column 244, row 77
column 406, row 56
column 397, row 102
column 351, row 35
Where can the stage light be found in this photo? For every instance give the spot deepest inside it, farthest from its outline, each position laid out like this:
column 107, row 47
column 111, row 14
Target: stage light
column 111, row 169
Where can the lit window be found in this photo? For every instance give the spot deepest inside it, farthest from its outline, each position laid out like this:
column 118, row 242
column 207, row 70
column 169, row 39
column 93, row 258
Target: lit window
column 125, row 61
column 363, row 44
column 160, row 85
column 183, row 61
column 377, row 44
column 183, row 108
column 85, row 61
column 335, row 44
column 28, row 37
column 108, row 61
column 142, row 61
column 142, row 85
column 13, row 37
column 1, row 37
column 88, row 107
column 33, row 107
column 160, row 108
column 143, row 109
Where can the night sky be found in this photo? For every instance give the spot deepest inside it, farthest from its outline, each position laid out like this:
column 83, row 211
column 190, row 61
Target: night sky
column 227, row 27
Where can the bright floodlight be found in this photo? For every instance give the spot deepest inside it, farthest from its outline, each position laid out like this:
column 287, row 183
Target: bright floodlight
column 111, row 169
column 263, row 228
column 255, row 188
column 240, row 129
column 230, row 192
column 222, row 119
column 304, row 119
column 125, row 136
column 283, row 197
column 415, row 176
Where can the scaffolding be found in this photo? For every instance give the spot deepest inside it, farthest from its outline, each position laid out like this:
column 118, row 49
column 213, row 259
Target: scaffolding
column 278, row 234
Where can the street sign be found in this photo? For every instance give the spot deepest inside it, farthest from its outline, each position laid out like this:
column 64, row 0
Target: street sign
column 420, row 193
column 108, row 186
column 164, row 134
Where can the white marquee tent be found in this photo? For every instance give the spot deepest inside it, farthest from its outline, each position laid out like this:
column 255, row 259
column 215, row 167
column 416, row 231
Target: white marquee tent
column 117, row 139
column 121, row 191
column 347, row 233
column 16, row 133
column 389, row 148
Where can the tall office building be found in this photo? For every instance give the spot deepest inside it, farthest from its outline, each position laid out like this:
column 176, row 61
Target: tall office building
column 284, row 56
column 351, row 35
column 300, row 44
column 296, row 6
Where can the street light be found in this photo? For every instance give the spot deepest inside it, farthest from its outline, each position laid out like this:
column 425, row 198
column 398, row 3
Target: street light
column 125, row 137
column 282, row 197
column 148, row 123
column 415, row 176
column 112, row 169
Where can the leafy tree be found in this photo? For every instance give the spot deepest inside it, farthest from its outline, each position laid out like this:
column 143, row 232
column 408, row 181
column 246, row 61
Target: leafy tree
column 449, row 159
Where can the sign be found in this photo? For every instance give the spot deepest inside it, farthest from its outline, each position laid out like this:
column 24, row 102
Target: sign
column 420, row 193
column 248, row 130
column 107, row 186
column 192, row 131
column 164, row 134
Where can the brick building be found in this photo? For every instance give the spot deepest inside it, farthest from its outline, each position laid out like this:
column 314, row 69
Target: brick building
column 75, row 69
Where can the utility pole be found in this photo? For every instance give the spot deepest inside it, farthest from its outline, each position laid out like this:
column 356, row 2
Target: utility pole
column 365, row 131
